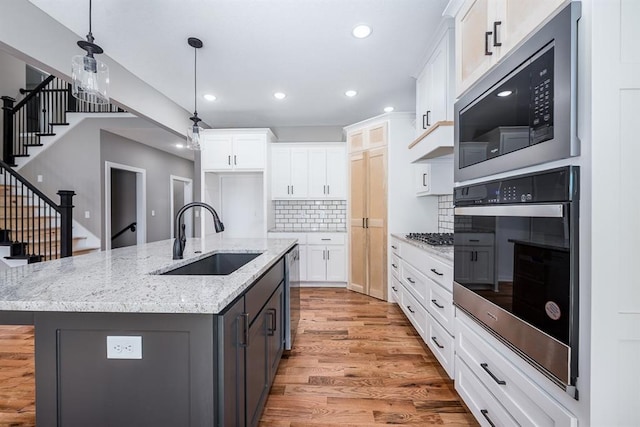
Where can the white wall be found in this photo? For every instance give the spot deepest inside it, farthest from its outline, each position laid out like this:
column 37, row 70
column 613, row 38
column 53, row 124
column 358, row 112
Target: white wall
column 12, row 78
column 53, row 54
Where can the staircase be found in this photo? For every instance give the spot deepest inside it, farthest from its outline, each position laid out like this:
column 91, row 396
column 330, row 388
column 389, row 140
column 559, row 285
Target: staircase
column 33, row 228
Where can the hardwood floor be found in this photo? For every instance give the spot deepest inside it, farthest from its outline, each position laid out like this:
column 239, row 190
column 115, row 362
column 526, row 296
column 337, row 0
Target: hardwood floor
column 17, row 383
column 356, row 361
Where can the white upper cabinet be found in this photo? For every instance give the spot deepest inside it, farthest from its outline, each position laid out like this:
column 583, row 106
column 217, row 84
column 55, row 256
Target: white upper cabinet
column 328, row 173
column 289, row 178
column 434, row 87
column 234, row 150
column 486, row 30
column 299, row 171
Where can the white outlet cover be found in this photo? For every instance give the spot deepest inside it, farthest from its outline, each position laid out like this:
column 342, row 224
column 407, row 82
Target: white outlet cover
column 39, row 178
column 87, row 214
column 124, row 347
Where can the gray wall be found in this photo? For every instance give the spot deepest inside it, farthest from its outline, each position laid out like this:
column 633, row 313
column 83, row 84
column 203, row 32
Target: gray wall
column 76, row 162
column 308, row 133
column 12, row 78
column 159, row 166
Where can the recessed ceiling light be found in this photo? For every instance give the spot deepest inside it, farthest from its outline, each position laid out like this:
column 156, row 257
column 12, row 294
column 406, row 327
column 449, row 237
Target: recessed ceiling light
column 388, row 109
column 351, row 93
column 279, row 95
column 179, row 145
column 504, row 93
column 361, row 31
column 209, row 97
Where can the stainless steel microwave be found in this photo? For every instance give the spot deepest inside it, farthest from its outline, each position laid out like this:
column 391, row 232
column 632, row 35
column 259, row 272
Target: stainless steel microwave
column 523, row 112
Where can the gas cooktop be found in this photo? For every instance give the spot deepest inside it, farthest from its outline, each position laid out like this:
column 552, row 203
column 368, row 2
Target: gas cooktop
column 435, row 239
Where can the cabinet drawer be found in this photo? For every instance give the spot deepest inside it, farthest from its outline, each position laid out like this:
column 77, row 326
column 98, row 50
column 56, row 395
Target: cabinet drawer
column 259, row 293
column 302, row 237
column 474, row 239
column 441, row 344
column 440, row 306
column 483, row 405
column 440, row 272
column 395, row 266
column 415, row 282
column 415, row 312
column 525, row 400
column 395, row 247
column 326, row 238
column 396, row 290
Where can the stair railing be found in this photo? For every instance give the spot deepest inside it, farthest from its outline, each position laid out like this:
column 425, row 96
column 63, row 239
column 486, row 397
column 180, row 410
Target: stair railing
column 35, row 227
column 35, row 115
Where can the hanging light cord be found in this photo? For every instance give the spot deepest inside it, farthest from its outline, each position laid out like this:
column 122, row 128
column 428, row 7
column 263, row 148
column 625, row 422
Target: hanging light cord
column 90, row 35
column 195, row 81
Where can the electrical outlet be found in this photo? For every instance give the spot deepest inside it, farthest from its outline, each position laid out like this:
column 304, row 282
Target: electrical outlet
column 87, row 214
column 124, row 347
column 153, row 213
column 39, row 178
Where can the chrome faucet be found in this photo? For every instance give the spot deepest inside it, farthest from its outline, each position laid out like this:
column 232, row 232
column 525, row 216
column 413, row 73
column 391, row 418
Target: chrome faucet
column 180, row 238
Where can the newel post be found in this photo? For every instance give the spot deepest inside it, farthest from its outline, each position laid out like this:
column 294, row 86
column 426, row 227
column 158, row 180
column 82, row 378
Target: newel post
column 7, row 129
column 71, row 100
column 66, row 222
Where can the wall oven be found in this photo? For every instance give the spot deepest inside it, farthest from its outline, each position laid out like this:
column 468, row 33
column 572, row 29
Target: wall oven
column 516, row 265
column 523, row 112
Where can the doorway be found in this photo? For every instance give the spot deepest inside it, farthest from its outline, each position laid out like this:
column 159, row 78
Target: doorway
column 125, row 206
column 181, row 193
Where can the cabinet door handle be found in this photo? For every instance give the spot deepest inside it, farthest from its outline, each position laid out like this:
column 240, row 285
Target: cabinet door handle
column 328, row 255
column 367, row 222
column 362, row 222
column 428, row 117
column 394, row 247
column 471, row 253
column 486, row 43
column 411, row 280
column 273, row 322
column 424, row 121
column 229, row 160
column 292, row 189
column 437, row 343
column 485, row 414
column 328, row 189
column 496, row 379
column 245, row 330
column 435, row 302
column 437, row 272
column 235, row 160
column 394, row 266
column 324, row 255
column 324, row 189
column 394, row 288
column 424, row 179
column 495, row 32
column 409, row 308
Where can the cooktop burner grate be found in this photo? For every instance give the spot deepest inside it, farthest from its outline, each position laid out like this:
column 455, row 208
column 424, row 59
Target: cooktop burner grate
column 435, row 239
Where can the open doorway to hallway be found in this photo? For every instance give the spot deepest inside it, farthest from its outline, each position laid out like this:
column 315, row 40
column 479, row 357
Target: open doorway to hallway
column 125, row 206
column 181, row 193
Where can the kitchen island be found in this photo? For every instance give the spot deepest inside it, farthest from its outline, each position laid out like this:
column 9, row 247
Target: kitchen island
column 208, row 345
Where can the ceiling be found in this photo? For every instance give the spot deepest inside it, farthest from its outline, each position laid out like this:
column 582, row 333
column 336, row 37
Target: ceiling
column 253, row 48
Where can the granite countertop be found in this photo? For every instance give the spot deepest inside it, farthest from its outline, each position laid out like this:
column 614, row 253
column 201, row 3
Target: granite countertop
column 444, row 252
column 126, row 280
column 308, row 230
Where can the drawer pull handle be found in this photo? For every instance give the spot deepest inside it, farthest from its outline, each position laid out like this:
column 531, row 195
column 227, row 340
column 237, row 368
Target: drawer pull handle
column 486, row 368
column 394, row 288
column 409, row 308
column 394, row 247
column 485, row 414
column 411, row 280
column 435, row 302
column 436, row 341
column 394, row 266
column 474, row 240
column 437, row 272
column 325, row 239
column 245, row 330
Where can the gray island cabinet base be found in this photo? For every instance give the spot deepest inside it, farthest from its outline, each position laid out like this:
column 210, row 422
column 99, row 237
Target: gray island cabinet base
column 196, row 369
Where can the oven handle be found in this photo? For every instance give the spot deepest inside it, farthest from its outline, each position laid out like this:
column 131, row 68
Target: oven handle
column 543, row 211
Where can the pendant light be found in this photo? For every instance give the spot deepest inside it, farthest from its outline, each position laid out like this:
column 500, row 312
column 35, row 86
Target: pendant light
column 90, row 76
column 194, row 132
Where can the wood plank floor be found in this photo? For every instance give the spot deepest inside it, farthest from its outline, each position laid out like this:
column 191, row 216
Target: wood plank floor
column 356, row 362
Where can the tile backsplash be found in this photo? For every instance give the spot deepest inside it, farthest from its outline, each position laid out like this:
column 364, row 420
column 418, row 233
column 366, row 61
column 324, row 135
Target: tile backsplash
column 306, row 214
column 445, row 214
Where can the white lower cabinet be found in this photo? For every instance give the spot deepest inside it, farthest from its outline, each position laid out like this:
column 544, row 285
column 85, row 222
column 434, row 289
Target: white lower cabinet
column 420, row 285
column 327, row 260
column 487, row 381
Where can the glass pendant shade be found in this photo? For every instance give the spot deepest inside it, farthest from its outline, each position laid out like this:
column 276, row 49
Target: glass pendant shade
column 194, row 133
column 90, row 79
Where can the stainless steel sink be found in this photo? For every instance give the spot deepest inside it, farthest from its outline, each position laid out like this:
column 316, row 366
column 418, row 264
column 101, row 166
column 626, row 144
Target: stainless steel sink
column 220, row 264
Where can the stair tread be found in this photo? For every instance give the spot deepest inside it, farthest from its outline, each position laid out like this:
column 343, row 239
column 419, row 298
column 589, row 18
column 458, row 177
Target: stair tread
column 33, row 145
column 45, row 134
column 21, row 155
column 58, row 124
